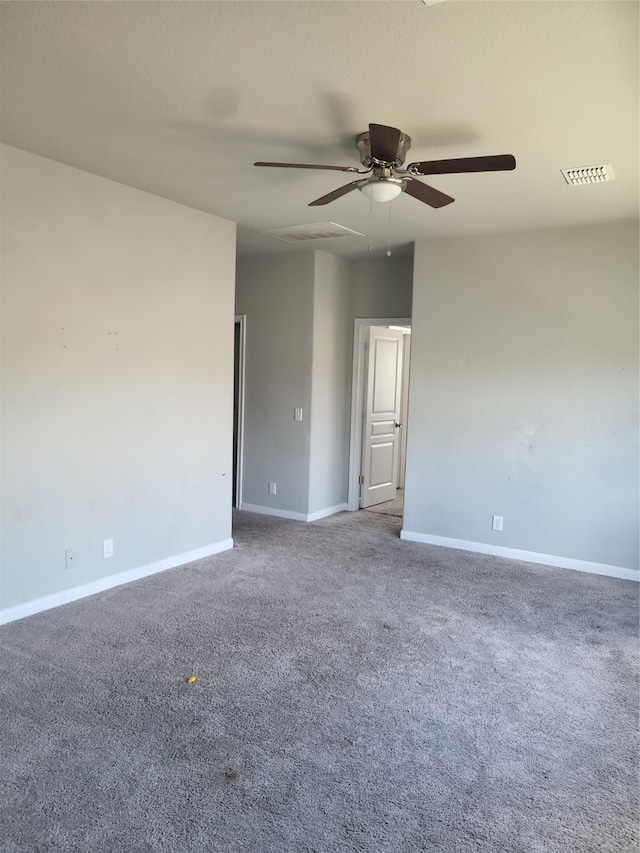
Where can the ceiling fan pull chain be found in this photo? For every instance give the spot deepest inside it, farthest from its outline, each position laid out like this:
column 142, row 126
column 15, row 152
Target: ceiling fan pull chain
column 389, row 233
column 370, row 220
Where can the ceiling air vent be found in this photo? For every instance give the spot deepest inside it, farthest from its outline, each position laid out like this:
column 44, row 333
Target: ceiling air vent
column 589, row 175
column 312, row 231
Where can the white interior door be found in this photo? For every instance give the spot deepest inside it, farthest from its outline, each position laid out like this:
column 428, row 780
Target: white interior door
column 383, row 396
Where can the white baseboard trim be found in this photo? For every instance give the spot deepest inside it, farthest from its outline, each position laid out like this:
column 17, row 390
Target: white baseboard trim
column 325, row 513
column 295, row 516
column 526, row 556
column 37, row 605
column 272, row 510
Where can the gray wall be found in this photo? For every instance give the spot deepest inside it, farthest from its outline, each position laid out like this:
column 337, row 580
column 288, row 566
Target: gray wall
column 524, row 392
column 381, row 287
column 117, row 365
column 275, row 292
column 330, row 381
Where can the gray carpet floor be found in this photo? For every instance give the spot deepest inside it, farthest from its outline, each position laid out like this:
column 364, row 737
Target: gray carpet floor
column 354, row 693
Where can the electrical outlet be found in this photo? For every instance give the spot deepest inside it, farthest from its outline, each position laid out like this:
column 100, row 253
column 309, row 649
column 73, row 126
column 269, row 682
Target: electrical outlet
column 272, row 488
column 297, row 414
column 108, row 548
column 71, row 558
column 497, row 523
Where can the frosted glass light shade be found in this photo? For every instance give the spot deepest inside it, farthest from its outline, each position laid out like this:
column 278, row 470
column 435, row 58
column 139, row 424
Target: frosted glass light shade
column 382, row 190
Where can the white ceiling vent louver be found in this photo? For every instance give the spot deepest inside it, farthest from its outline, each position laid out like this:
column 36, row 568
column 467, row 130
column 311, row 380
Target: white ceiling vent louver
column 589, row 175
column 311, row 231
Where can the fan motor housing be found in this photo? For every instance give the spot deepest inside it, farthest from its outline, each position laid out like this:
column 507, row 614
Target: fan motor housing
column 364, row 148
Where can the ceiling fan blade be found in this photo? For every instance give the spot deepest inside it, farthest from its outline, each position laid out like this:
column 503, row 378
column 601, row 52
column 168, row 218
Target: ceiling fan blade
column 309, row 166
column 499, row 163
column 332, row 196
column 383, row 142
column 427, row 194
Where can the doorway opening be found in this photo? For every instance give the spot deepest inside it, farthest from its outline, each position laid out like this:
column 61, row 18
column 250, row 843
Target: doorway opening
column 238, row 406
column 379, row 403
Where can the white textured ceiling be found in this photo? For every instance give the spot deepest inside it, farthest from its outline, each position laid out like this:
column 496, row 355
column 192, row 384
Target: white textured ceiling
column 180, row 98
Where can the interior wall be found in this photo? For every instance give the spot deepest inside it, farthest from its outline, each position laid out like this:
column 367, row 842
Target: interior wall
column 381, row 287
column 275, row 292
column 117, row 372
column 524, row 392
column 330, row 381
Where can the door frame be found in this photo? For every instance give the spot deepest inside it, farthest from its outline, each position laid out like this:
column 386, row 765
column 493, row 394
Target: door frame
column 404, row 411
column 360, row 328
column 241, row 321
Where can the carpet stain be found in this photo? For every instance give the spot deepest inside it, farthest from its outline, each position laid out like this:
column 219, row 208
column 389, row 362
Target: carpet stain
column 230, row 775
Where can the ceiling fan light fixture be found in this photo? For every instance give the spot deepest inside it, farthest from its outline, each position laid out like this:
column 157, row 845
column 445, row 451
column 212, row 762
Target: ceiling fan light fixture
column 382, row 151
column 382, row 189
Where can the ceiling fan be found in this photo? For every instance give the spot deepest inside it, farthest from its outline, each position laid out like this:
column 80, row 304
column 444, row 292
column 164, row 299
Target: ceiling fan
column 382, row 153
